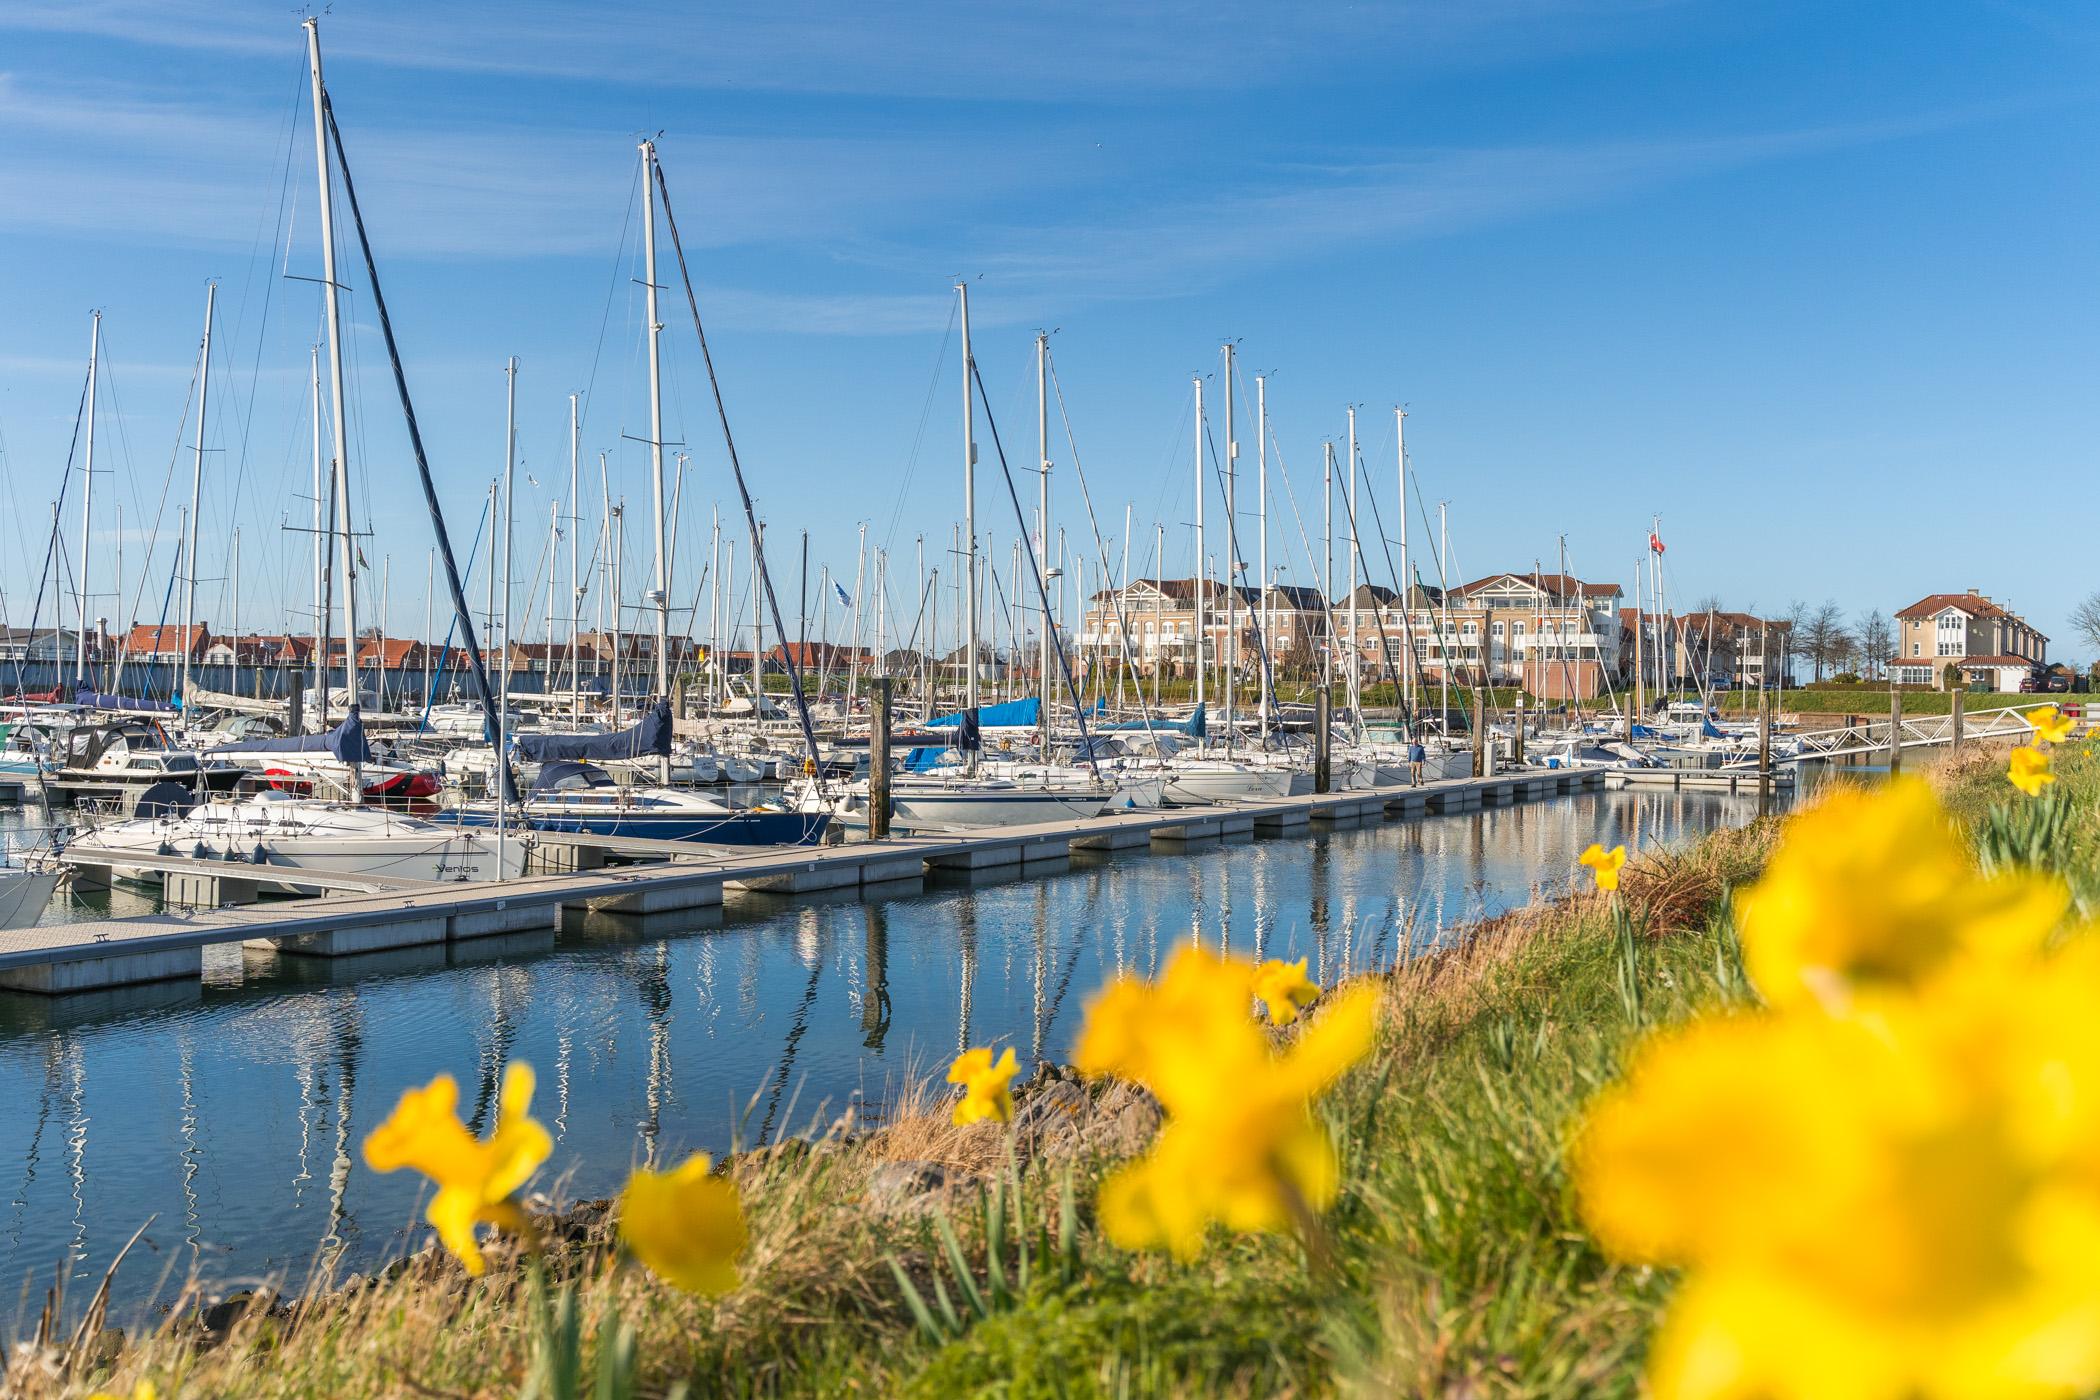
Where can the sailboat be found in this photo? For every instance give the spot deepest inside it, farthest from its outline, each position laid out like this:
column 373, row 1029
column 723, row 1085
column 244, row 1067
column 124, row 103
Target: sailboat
column 972, row 799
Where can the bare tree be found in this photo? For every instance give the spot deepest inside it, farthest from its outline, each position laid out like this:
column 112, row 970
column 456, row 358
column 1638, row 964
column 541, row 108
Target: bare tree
column 1877, row 639
column 2086, row 618
column 1822, row 638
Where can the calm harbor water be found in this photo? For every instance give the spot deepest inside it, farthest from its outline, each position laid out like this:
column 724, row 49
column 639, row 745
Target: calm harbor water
column 230, row 1113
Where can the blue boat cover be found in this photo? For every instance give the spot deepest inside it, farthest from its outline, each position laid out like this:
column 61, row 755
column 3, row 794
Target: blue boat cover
column 89, row 699
column 651, row 737
column 1707, row 728
column 552, row 774
column 346, row 741
column 1195, row 726
column 1641, row 731
column 1014, row 714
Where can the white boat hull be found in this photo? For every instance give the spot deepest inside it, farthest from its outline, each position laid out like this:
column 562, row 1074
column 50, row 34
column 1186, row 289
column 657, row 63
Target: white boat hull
column 23, row 895
column 1196, row 787
column 964, row 808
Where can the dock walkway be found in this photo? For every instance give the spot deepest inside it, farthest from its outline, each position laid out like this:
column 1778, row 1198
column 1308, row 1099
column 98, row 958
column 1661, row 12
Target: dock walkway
column 575, row 873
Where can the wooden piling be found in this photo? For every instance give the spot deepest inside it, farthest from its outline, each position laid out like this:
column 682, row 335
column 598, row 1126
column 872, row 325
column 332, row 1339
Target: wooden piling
column 1895, row 730
column 1323, row 741
column 879, row 762
column 1955, row 698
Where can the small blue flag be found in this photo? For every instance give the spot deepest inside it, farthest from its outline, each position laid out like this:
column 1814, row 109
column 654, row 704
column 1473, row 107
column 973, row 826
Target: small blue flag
column 839, row 588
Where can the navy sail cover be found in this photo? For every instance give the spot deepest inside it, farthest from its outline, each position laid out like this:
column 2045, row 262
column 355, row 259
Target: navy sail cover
column 346, row 741
column 652, row 737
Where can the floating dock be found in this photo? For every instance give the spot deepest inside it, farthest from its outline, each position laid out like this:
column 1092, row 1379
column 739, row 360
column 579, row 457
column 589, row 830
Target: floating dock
column 211, row 902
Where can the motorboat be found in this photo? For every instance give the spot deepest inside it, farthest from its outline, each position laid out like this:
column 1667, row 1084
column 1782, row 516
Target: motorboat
column 274, row 830
column 120, row 760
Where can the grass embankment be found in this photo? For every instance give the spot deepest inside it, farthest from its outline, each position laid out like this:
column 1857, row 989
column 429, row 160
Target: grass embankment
column 1456, row 1263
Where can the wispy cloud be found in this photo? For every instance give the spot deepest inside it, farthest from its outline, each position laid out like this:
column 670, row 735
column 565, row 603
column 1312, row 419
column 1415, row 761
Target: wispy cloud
column 933, row 50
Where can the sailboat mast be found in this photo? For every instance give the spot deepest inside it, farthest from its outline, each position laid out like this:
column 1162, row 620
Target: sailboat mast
column 662, row 593
column 962, row 292
column 510, row 478
column 1232, row 556
column 1327, row 565
column 575, row 577
column 1261, row 531
column 1042, row 533
column 1407, row 611
column 1355, row 648
column 189, row 601
column 331, row 298
column 1201, row 571
column 87, row 505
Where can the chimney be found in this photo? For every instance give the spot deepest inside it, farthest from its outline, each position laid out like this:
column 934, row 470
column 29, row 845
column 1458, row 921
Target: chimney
column 1976, row 593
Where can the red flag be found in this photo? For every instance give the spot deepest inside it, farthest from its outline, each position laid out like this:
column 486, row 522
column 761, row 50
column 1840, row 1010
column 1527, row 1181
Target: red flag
column 1655, row 542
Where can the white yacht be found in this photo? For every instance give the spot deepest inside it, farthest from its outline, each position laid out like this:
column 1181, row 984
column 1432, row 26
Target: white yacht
column 276, row 830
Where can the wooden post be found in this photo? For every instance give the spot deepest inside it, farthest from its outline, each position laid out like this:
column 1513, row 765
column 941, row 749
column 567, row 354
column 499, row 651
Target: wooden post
column 1480, row 732
column 1764, row 751
column 1517, row 751
column 1323, row 740
column 1956, row 698
column 1895, row 730
column 879, row 763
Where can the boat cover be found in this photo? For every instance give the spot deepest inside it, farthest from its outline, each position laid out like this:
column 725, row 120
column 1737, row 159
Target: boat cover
column 1195, row 726
column 346, row 741
column 92, row 700
column 651, row 737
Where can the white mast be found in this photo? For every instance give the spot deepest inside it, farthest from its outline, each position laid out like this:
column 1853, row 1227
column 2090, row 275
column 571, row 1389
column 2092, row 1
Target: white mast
column 1261, row 490
column 510, row 477
column 969, row 364
column 1042, row 533
column 189, row 603
column 662, row 596
column 236, row 623
column 1232, row 556
column 1407, row 611
column 1200, row 571
column 321, row 543
column 331, row 298
column 1355, row 647
column 575, row 579
column 87, row 501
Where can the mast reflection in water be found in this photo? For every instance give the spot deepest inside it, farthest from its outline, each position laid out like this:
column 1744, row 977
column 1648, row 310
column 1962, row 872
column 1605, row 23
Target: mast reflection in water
column 231, row 1112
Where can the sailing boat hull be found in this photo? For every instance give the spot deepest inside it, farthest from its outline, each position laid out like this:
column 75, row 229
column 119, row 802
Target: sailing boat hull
column 23, row 895
column 741, row 828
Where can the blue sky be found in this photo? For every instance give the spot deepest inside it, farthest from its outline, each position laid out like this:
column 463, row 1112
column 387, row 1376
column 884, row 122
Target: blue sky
column 1812, row 281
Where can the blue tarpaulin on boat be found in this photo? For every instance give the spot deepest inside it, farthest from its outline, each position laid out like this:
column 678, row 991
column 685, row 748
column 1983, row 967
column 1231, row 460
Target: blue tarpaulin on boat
column 1195, row 726
column 1707, row 728
column 924, row 758
column 346, row 742
column 652, row 737
column 1642, row 731
column 92, row 700
column 1014, row 714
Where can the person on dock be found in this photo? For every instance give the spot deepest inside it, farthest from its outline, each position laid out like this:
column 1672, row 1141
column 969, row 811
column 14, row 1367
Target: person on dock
column 1416, row 756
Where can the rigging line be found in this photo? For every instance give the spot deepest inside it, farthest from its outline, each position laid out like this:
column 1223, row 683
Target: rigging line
column 415, row 439
column 65, row 482
column 911, row 463
column 1385, row 648
column 612, row 288
column 1094, row 522
column 1232, row 546
column 1035, row 571
column 160, row 511
column 736, row 467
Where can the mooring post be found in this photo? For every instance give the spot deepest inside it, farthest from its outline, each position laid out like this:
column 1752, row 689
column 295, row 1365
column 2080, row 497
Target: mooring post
column 1480, row 732
column 1764, row 751
column 1516, row 752
column 1895, row 730
column 1956, row 700
column 879, row 763
column 1323, row 740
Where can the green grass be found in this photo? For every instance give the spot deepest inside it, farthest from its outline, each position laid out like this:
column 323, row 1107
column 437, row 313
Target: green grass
column 1873, row 701
column 1457, row 1264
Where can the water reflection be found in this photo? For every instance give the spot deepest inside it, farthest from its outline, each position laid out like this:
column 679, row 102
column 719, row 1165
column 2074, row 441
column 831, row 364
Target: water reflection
column 231, row 1111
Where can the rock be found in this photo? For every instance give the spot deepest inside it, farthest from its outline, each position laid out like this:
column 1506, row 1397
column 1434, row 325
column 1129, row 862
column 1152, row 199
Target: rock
column 911, row 1188
column 1052, row 1117
column 222, row 1315
column 1125, row 1119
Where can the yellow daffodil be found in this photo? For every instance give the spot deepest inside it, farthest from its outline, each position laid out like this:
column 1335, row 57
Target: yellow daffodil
column 2051, row 725
column 987, row 1085
column 1283, row 988
column 2030, row 771
column 1241, row 1144
column 1873, row 889
column 686, row 1224
column 1606, row 863
column 142, row 1391
column 475, row 1178
column 1900, row 1206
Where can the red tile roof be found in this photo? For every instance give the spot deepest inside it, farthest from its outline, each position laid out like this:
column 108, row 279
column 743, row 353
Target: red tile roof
column 1557, row 585
column 1974, row 604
